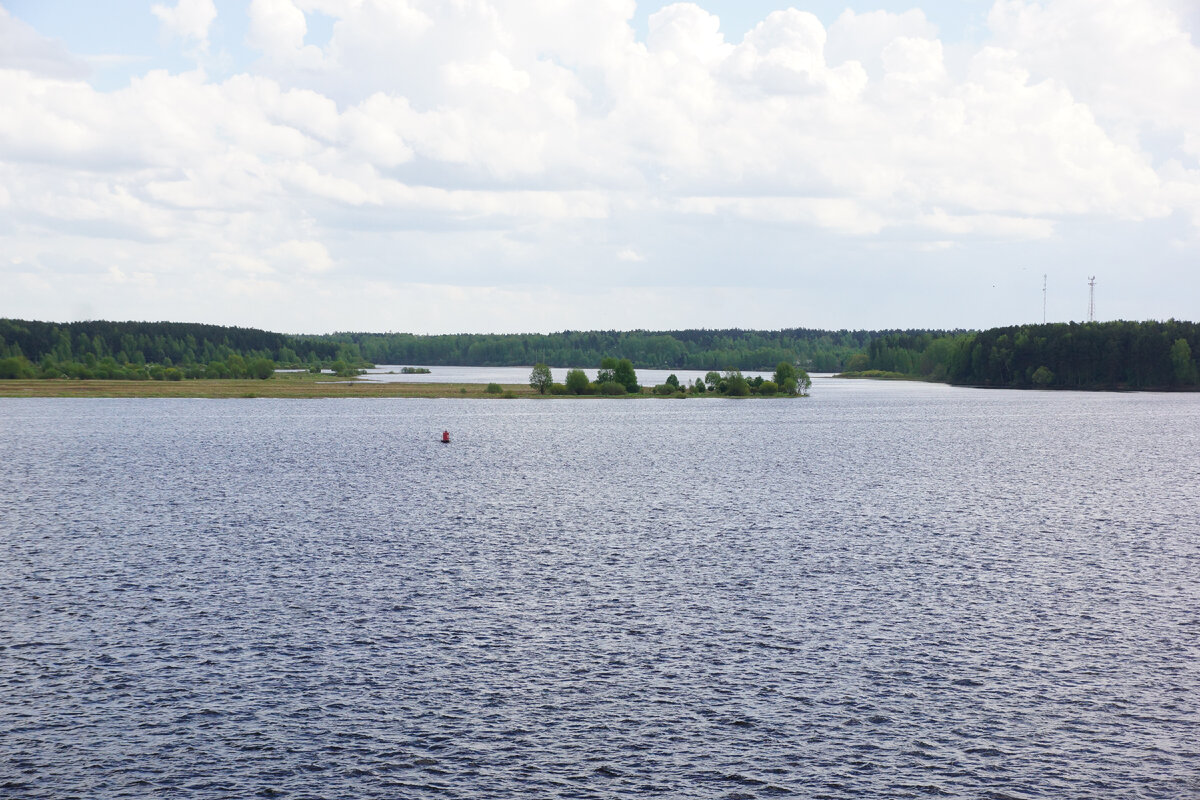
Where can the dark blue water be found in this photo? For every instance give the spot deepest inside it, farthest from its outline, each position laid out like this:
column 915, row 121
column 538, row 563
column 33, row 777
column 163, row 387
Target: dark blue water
column 881, row 591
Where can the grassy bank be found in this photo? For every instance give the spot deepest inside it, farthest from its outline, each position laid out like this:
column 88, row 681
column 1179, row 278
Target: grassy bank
column 298, row 386
column 879, row 375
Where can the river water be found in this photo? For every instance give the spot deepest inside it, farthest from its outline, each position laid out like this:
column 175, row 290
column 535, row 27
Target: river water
column 881, row 591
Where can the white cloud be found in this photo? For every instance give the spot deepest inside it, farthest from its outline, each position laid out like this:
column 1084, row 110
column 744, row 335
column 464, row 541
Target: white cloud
column 684, row 32
column 1133, row 62
column 495, row 71
column 277, row 29
column 863, row 37
column 510, row 136
column 188, row 19
column 308, row 256
column 23, row 48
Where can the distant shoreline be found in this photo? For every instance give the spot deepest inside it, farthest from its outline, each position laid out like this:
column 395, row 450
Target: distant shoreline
column 227, row 388
column 880, row 375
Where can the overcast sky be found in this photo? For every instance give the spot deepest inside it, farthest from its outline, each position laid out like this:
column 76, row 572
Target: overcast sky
column 532, row 165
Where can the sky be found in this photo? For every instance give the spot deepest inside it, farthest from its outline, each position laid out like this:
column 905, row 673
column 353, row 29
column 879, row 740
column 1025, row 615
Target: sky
column 445, row 166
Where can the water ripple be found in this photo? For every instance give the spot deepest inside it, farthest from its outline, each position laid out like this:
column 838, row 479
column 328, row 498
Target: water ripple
column 880, row 592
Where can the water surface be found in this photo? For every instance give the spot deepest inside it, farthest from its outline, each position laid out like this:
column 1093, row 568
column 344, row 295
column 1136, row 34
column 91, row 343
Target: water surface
column 886, row 590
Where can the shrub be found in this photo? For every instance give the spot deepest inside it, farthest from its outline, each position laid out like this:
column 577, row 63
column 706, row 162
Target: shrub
column 261, row 368
column 664, row 390
column 577, row 381
column 625, row 375
column 785, row 376
column 494, row 388
column 558, row 388
column 612, row 388
column 16, row 368
column 858, row 363
column 767, row 388
column 735, row 384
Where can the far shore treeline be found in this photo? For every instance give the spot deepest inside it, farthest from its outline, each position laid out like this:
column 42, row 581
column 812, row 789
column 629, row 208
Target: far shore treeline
column 1094, row 355
column 1099, row 355
column 103, row 349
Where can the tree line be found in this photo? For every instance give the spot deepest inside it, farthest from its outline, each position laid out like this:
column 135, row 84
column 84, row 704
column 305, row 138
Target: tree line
column 105, row 349
column 1093, row 355
column 1122, row 354
column 696, row 349
column 159, row 351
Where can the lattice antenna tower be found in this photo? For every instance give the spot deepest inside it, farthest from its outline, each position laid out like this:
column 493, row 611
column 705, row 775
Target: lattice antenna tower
column 1092, row 299
column 1043, row 298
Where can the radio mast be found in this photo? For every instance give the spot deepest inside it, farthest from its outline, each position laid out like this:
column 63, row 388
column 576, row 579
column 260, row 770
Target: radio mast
column 1092, row 299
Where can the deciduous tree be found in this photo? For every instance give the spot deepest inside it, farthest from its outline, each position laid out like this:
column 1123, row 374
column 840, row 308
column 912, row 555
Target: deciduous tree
column 540, row 378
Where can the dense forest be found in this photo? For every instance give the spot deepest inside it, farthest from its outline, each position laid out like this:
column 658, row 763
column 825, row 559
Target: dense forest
column 1094, row 355
column 134, row 349
column 1112, row 355
column 154, row 350
column 815, row 350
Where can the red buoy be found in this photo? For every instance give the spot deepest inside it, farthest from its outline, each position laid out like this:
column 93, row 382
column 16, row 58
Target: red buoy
column 445, row 437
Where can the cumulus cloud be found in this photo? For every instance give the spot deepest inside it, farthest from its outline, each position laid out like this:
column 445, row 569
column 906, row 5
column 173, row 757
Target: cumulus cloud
column 277, row 29
column 539, row 125
column 862, row 37
column 1133, row 63
column 23, row 48
column 188, row 19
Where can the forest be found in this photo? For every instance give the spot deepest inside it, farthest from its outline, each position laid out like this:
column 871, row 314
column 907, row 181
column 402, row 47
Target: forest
column 815, row 350
column 1093, row 355
column 174, row 350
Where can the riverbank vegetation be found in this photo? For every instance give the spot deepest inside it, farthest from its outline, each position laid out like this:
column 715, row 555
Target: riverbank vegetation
column 617, row 377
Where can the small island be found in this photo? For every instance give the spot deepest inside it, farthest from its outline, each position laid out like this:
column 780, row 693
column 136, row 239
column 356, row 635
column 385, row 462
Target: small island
column 616, row 377
column 415, row 371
